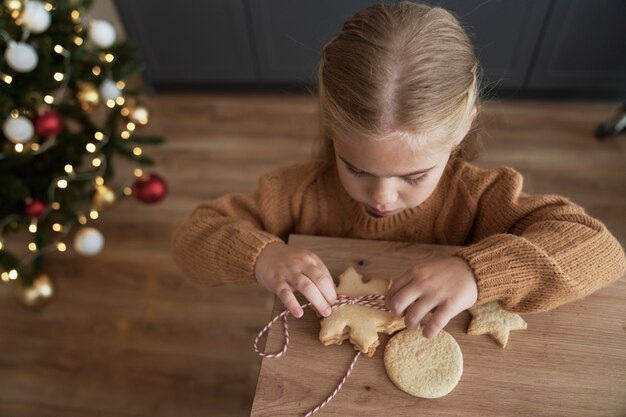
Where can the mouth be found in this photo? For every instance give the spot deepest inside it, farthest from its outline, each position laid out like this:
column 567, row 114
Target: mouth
column 378, row 213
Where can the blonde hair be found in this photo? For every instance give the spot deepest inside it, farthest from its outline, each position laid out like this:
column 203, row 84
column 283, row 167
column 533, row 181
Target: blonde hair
column 405, row 69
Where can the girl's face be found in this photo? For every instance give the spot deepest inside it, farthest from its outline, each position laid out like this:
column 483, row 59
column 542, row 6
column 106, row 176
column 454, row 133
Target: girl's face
column 386, row 176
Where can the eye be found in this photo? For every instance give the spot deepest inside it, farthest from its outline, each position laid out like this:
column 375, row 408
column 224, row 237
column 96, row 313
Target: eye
column 354, row 171
column 415, row 180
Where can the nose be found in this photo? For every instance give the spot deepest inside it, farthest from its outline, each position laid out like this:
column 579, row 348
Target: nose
column 383, row 192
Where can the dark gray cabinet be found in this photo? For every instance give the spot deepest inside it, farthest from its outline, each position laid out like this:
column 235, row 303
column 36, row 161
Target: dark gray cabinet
column 289, row 35
column 505, row 34
column 190, row 41
column 584, row 47
column 522, row 45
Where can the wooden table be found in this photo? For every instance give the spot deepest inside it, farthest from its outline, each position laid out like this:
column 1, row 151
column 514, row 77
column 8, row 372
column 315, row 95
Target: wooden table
column 569, row 362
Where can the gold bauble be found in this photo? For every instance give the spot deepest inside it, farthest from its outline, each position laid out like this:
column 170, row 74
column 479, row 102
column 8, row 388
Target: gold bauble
column 88, row 96
column 103, row 197
column 14, row 5
column 38, row 293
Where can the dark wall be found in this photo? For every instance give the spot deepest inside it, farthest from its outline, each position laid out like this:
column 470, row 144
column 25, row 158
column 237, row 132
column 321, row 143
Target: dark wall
column 542, row 48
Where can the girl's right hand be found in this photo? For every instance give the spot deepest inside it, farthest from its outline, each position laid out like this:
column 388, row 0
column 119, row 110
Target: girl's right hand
column 283, row 269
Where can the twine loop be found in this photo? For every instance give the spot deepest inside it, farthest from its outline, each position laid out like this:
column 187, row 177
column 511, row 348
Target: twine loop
column 376, row 301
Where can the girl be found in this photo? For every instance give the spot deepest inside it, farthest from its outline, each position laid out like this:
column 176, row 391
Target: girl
column 398, row 94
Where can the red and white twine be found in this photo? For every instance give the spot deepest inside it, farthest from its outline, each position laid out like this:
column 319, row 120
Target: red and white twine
column 373, row 300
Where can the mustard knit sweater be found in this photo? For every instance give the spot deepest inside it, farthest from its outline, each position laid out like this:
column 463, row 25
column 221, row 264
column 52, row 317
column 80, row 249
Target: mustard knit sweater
column 531, row 253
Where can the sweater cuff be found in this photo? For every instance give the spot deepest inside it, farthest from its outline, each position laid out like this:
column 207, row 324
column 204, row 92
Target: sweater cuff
column 500, row 266
column 241, row 252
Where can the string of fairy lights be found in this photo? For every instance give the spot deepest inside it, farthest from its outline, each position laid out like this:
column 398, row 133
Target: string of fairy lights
column 21, row 57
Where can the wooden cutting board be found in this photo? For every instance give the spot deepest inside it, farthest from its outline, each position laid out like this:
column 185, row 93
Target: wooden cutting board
column 570, row 361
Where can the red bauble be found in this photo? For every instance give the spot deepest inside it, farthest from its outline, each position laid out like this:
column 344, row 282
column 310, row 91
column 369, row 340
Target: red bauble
column 150, row 189
column 34, row 207
column 49, row 124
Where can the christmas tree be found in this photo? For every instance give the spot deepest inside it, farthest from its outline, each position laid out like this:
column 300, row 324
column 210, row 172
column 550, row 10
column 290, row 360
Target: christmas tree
column 65, row 113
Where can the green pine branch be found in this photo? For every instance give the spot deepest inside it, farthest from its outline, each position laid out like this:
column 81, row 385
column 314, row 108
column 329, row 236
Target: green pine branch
column 33, row 174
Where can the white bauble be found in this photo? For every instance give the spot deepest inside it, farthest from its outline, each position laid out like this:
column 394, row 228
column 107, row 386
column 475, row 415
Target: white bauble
column 109, row 90
column 88, row 241
column 18, row 130
column 35, row 16
column 21, row 56
column 102, row 33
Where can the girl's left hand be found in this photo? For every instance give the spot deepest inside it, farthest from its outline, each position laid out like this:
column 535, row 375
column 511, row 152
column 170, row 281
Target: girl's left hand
column 446, row 287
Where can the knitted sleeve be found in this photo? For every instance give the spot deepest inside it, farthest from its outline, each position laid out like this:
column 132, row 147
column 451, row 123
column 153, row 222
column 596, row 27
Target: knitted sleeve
column 221, row 240
column 534, row 253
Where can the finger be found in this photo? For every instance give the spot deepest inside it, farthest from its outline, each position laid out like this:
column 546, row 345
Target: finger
column 290, row 302
column 417, row 311
column 403, row 298
column 441, row 316
column 310, row 291
column 322, row 281
column 397, row 285
column 322, row 266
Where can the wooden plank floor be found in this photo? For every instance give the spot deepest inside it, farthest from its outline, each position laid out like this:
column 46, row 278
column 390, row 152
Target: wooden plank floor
column 128, row 336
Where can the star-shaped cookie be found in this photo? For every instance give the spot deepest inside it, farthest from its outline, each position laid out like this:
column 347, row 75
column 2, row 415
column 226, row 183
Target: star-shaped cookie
column 360, row 324
column 491, row 318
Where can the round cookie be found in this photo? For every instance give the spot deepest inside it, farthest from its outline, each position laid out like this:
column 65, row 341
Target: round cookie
column 426, row 368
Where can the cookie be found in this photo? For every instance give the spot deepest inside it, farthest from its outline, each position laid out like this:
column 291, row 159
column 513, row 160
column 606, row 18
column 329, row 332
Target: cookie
column 359, row 324
column 491, row 318
column 426, row 368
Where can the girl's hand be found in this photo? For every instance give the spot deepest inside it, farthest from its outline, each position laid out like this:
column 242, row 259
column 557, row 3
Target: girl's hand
column 446, row 287
column 283, row 269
